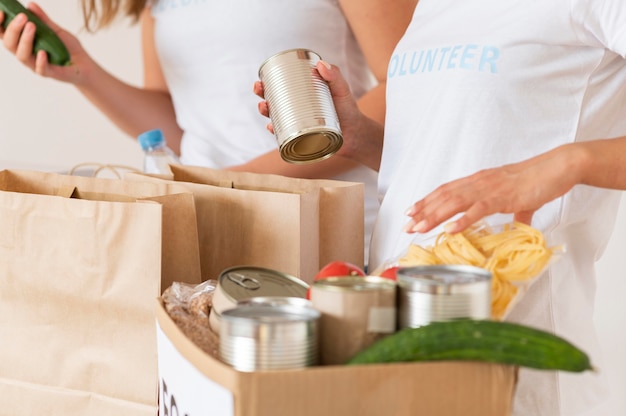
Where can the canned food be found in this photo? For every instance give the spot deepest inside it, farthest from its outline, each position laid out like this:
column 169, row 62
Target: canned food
column 441, row 293
column 300, row 106
column 269, row 337
column 244, row 282
column 356, row 311
column 275, row 301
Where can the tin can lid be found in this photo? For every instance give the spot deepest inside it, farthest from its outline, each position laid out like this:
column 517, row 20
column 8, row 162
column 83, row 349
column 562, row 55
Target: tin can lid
column 429, row 278
column 311, row 146
column 355, row 283
column 243, row 282
column 288, row 55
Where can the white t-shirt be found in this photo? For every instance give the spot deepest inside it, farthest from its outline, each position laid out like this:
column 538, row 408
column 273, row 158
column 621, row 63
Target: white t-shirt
column 210, row 53
column 482, row 83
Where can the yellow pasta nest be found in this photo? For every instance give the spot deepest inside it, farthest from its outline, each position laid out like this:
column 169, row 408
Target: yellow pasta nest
column 514, row 255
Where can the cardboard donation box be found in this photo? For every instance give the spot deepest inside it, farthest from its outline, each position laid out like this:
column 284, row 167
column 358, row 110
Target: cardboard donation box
column 295, row 226
column 81, row 262
column 193, row 382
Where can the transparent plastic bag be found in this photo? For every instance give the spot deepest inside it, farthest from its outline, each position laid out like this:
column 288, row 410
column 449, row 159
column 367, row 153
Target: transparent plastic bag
column 516, row 255
column 189, row 307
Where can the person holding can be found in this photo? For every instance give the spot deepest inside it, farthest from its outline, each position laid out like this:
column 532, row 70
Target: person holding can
column 505, row 111
column 200, row 59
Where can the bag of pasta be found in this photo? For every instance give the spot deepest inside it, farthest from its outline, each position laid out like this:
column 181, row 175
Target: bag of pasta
column 514, row 253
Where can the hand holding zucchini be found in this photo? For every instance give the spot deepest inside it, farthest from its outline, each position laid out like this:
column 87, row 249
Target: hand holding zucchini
column 45, row 38
column 477, row 340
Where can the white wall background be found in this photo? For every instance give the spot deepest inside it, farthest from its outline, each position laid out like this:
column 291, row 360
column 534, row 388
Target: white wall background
column 49, row 125
column 46, row 125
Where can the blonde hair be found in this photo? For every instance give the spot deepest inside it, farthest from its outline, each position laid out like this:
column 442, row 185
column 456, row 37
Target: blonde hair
column 99, row 14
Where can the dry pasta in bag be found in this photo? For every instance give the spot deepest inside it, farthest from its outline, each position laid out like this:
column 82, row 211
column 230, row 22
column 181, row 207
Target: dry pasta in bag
column 515, row 253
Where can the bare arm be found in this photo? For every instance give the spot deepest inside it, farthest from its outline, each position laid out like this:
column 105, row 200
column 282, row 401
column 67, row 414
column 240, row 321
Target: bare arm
column 514, row 188
column 134, row 109
column 154, row 81
column 377, row 27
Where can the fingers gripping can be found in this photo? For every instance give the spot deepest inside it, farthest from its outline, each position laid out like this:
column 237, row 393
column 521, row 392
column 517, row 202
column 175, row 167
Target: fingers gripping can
column 300, row 107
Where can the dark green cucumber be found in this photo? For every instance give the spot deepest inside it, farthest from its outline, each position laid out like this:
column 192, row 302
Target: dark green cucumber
column 477, row 340
column 45, row 38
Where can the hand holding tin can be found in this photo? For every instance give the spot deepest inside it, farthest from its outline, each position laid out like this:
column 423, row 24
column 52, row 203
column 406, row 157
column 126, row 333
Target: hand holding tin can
column 300, row 106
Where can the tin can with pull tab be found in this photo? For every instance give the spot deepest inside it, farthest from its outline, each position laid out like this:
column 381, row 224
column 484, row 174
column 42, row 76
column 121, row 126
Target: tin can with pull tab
column 243, row 282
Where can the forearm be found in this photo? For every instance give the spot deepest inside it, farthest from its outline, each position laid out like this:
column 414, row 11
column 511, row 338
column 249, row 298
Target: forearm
column 602, row 163
column 366, row 148
column 272, row 162
column 373, row 103
column 134, row 110
column 366, row 144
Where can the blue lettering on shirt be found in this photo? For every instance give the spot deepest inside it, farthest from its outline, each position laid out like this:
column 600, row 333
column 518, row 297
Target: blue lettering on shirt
column 470, row 57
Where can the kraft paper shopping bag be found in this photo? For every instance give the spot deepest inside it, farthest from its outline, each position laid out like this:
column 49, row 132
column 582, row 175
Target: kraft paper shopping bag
column 81, row 262
column 295, row 226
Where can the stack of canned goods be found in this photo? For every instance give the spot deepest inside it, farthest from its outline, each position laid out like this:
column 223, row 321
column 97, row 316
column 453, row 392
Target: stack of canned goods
column 245, row 282
column 266, row 322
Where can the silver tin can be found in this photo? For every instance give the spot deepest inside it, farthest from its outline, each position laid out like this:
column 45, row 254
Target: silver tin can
column 441, row 293
column 356, row 312
column 275, row 301
column 300, row 106
column 244, row 282
column 266, row 337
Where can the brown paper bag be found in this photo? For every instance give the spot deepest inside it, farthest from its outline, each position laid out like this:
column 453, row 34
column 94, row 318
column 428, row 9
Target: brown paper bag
column 295, row 226
column 81, row 262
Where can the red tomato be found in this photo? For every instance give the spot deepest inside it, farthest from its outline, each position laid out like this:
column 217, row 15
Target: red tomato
column 390, row 272
column 339, row 269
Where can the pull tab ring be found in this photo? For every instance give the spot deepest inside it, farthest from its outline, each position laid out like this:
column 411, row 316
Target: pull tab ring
column 246, row 282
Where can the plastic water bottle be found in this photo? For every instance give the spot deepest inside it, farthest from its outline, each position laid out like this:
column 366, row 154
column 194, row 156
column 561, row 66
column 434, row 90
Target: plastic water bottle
column 158, row 156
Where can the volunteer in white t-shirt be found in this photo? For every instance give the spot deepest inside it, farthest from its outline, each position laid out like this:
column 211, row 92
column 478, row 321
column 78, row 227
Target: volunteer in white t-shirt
column 532, row 95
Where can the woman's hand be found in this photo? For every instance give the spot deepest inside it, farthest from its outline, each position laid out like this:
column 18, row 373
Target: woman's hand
column 262, row 106
column 362, row 136
column 18, row 38
column 519, row 189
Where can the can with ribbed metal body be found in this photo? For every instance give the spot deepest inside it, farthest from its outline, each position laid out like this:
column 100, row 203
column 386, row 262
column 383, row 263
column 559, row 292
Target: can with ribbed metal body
column 244, row 282
column 441, row 293
column 269, row 337
column 301, row 107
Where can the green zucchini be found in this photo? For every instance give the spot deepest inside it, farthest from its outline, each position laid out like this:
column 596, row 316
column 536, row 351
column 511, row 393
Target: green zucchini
column 477, row 340
column 45, row 38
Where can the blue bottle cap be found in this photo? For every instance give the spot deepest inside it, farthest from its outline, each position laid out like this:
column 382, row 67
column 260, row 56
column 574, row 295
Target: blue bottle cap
column 151, row 138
